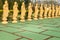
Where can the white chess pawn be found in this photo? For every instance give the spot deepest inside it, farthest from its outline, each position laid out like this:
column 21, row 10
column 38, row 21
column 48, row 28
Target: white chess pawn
column 41, row 12
column 5, row 13
column 15, row 12
column 57, row 10
column 36, row 12
column 23, row 11
column 53, row 10
column 45, row 10
column 49, row 11
column 30, row 12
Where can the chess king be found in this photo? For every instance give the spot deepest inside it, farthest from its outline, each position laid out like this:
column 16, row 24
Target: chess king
column 15, row 12
column 30, row 11
column 36, row 12
column 41, row 12
column 23, row 11
column 5, row 12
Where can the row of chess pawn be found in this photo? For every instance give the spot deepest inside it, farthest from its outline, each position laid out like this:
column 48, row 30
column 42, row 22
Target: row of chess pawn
column 43, row 11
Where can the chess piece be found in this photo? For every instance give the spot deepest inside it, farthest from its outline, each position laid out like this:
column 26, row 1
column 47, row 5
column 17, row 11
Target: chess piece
column 23, row 11
column 45, row 11
column 56, row 12
column 49, row 11
column 53, row 10
column 5, row 13
column 30, row 12
column 36, row 12
column 15, row 12
column 41, row 12
column 59, row 10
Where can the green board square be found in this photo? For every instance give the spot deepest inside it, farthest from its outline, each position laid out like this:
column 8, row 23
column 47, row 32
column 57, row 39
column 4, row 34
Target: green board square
column 54, row 38
column 33, row 29
column 51, row 28
column 7, row 36
column 33, row 36
column 52, row 33
column 9, row 29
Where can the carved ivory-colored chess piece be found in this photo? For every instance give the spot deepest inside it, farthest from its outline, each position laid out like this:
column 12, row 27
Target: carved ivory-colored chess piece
column 36, row 12
column 45, row 11
column 23, row 11
column 41, row 12
column 59, row 10
column 49, row 11
column 53, row 10
column 30, row 12
column 56, row 12
column 15, row 12
column 5, row 12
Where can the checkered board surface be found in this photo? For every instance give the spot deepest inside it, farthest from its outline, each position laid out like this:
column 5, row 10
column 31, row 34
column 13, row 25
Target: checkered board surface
column 45, row 29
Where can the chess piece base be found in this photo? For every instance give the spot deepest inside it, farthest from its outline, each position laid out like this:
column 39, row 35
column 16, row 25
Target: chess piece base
column 4, row 22
column 22, row 20
column 49, row 17
column 52, row 16
column 45, row 17
column 56, row 16
column 40, row 18
column 14, row 21
column 35, row 19
column 29, row 19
